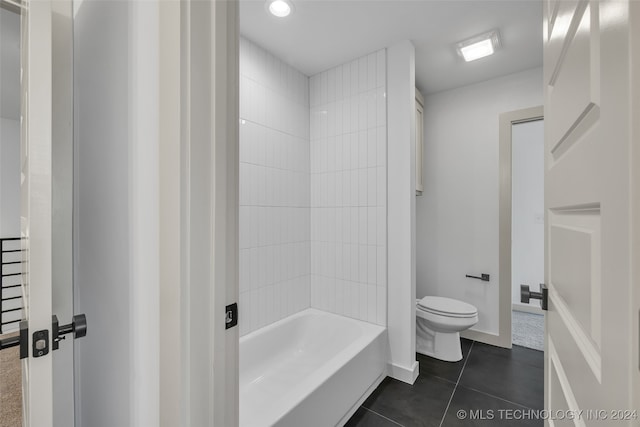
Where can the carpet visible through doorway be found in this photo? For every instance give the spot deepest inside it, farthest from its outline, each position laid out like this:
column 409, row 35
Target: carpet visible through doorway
column 10, row 386
column 527, row 330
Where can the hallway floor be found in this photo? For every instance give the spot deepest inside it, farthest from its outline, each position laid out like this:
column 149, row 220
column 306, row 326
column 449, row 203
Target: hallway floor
column 490, row 386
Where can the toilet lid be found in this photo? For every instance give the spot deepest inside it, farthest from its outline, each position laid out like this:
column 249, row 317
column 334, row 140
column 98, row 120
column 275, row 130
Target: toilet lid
column 447, row 306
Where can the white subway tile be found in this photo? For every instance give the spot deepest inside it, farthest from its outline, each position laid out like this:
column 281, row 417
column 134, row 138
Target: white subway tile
column 253, row 310
column 382, row 146
column 362, row 264
column 381, row 106
column 355, row 73
column 362, row 225
column 381, row 311
column 331, row 85
column 243, row 313
column 347, row 123
column 381, row 184
column 372, row 148
column 362, row 149
column 253, row 268
column 381, row 225
column 331, row 119
column 372, row 262
column 362, row 111
column 262, row 308
column 363, row 301
column 270, row 304
column 371, row 71
column 339, row 117
column 243, row 185
column 372, row 225
column 355, row 267
column 339, row 261
column 346, row 80
column 382, row 266
column 362, row 74
column 354, row 225
column 354, row 103
column 331, row 294
column 381, row 74
column 340, row 297
column 372, row 186
column 372, row 112
column 323, row 89
column 243, row 270
column 372, row 303
column 262, row 266
column 363, row 185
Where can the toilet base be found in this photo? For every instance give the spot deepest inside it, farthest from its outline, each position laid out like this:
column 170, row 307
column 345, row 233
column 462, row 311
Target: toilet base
column 439, row 345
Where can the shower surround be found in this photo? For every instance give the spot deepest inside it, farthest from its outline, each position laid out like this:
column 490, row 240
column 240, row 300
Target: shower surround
column 313, row 189
column 313, row 238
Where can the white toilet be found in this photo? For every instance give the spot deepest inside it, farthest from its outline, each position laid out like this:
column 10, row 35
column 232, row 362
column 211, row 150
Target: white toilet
column 439, row 322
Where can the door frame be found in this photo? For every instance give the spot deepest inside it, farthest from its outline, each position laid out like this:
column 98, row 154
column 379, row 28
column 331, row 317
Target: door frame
column 507, row 120
column 199, row 203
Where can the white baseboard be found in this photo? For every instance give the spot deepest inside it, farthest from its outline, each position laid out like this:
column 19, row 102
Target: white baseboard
column 526, row 308
column 401, row 373
column 487, row 338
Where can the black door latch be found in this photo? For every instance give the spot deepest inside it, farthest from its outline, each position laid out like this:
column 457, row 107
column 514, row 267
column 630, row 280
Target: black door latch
column 543, row 295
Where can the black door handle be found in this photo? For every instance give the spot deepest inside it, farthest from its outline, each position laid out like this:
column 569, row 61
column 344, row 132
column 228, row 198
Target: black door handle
column 543, row 295
column 78, row 327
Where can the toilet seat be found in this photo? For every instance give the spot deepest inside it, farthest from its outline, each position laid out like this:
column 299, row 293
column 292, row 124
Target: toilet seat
column 447, row 307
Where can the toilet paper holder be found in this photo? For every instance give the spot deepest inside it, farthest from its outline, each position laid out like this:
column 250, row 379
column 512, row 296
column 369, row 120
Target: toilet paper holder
column 484, row 277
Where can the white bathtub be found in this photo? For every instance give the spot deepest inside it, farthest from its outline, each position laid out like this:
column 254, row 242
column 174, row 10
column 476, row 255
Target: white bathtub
column 310, row 369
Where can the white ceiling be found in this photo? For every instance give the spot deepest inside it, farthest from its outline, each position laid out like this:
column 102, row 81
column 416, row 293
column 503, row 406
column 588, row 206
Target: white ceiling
column 9, row 65
column 321, row 34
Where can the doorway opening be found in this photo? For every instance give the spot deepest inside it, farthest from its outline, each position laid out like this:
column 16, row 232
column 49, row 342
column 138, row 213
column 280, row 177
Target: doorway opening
column 11, row 303
column 522, row 218
column 527, row 230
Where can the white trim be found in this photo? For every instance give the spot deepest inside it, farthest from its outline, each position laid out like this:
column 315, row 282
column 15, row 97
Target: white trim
column 401, row 204
column 526, row 308
column 144, row 302
column 506, row 121
column 405, row 374
column 209, row 211
column 485, row 337
column 36, row 190
column 169, row 201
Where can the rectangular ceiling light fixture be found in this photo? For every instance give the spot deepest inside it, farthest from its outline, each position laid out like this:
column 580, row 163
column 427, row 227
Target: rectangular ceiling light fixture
column 479, row 47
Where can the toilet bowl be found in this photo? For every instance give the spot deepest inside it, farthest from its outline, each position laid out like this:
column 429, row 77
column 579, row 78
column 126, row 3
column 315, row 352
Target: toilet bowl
column 439, row 322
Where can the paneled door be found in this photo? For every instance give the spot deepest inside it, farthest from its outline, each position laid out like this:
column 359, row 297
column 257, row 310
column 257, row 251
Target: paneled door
column 589, row 362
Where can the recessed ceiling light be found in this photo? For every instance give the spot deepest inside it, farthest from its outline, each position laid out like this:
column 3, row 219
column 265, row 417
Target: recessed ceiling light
column 479, row 47
column 279, row 8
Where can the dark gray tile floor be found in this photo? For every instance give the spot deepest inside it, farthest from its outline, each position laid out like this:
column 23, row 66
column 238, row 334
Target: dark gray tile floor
column 489, row 386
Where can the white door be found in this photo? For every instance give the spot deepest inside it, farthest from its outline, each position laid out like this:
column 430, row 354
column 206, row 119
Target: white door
column 36, row 189
column 588, row 181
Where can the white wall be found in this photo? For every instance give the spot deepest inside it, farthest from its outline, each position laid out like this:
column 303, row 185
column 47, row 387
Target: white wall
column 401, row 212
column 116, row 212
column 9, row 124
column 9, row 178
column 457, row 215
column 10, row 151
column 274, row 189
column 527, row 213
column 348, row 189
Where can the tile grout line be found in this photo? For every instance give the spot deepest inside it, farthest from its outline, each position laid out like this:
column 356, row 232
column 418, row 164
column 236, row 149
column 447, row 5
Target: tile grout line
column 499, row 398
column 457, row 382
column 382, row 416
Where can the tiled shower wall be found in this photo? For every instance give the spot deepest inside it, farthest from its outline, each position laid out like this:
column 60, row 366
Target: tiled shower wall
column 274, row 189
column 349, row 189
